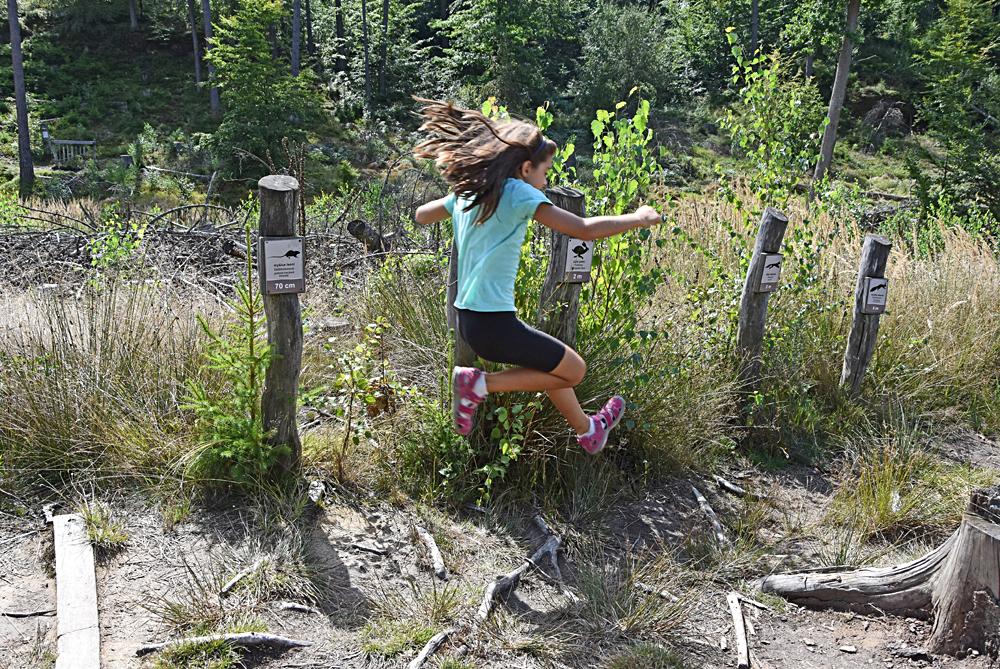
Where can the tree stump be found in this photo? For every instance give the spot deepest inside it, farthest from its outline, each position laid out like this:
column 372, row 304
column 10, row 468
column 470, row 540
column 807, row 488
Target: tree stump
column 957, row 584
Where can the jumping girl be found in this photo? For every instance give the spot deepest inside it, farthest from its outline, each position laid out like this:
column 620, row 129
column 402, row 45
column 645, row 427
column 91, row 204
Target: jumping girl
column 497, row 170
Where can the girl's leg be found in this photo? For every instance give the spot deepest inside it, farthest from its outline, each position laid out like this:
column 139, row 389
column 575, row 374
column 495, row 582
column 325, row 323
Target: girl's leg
column 558, row 384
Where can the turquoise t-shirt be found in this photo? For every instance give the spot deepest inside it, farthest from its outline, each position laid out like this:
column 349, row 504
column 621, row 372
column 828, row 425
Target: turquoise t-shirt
column 489, row 253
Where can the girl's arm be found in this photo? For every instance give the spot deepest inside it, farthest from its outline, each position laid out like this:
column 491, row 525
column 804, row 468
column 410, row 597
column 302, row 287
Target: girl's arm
column 432, row 212
column 595, row 227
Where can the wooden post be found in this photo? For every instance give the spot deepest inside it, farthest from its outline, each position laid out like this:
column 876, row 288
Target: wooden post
column 278, row 216
column 753, row 302
column 559, row 304
column 463, row 355
column 864, row 328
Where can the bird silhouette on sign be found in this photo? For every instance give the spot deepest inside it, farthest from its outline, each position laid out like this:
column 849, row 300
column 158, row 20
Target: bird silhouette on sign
column 580, row 249
column 877, row 289
column 291, row 253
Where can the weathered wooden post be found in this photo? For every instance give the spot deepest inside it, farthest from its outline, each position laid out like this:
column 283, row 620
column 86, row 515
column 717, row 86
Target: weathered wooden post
column 762, row 278
column 569, row 268
column 462, row 353
column 869, row 304
column 281, row 265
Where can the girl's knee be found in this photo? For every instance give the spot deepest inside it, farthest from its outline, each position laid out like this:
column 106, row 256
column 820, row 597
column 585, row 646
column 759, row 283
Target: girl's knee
column 572, row 368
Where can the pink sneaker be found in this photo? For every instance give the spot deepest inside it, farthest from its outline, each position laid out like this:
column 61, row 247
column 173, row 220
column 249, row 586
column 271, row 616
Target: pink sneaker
column 464, row 399
column 604, row 421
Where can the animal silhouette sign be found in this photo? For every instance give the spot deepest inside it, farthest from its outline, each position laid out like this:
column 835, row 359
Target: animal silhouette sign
column 579, row 258
column 282, row 263
column 770, row 273
column 875, row 292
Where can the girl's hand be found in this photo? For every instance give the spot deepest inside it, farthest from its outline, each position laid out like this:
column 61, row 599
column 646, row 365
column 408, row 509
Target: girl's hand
column 648, row 216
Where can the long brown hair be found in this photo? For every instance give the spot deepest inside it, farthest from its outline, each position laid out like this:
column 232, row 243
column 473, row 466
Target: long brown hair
column 475, row 154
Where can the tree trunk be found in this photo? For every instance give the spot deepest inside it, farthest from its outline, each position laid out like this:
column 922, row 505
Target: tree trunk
column 133, row 16
column 364, row 38
column 194, row 42
column 443, row 14
column 310, row 43
column 296, row 36
column 272, row 37
column 339, row 25
column 839, row 91
column 26, row 165
column 810, row 57
column 754, row 26
column 206, row 13
column 958, row 584
column 383, row 48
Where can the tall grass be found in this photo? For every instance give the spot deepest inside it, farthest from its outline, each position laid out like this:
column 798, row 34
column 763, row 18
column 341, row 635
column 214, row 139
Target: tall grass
column 92, row 385
column 938, row 353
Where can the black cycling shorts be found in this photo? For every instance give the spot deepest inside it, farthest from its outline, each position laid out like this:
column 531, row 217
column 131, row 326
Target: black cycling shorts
column 499, row 336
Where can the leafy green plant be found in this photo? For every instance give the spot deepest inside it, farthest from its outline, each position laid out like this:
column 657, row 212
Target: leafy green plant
column 117, row 240
column 775, row 125
column 228, row 420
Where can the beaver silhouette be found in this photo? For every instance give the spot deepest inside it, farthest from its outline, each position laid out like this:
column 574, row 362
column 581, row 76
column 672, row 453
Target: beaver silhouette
column 291, row 253
column 580, row 250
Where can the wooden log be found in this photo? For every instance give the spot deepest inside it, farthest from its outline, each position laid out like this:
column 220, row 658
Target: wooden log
column 367, row 235
column 278, row 216
column 78, row 633
column 864, row 328
column 958, row 584
column 903, row 590
column 753, row 304
column 559, row 303
column 462, row 353
column 739, row 631
column 245, row 639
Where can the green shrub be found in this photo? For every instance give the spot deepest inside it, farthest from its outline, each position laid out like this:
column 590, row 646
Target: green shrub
column 228, row 417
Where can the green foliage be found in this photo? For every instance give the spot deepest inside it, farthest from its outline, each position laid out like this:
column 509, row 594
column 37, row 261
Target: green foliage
column 503, row 49
column 264, row 104
column 625, row 46
column 117, row 240
column 776, row 124
column 646, row 656
column 622, row 282
column 228, row 419
column 961, row 103
column 364, row 388
column 104, row 530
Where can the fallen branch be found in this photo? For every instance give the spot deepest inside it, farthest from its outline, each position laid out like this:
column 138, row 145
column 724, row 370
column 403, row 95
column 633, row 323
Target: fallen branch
column 729, row 487
column 432, row 548
column 509, row 581
column 240, row 576
column 295, row 606
column 430, row 649
column 27, row 614
column 720, row 535
column 739, row 628
column 754, row 602
column 247, row 639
